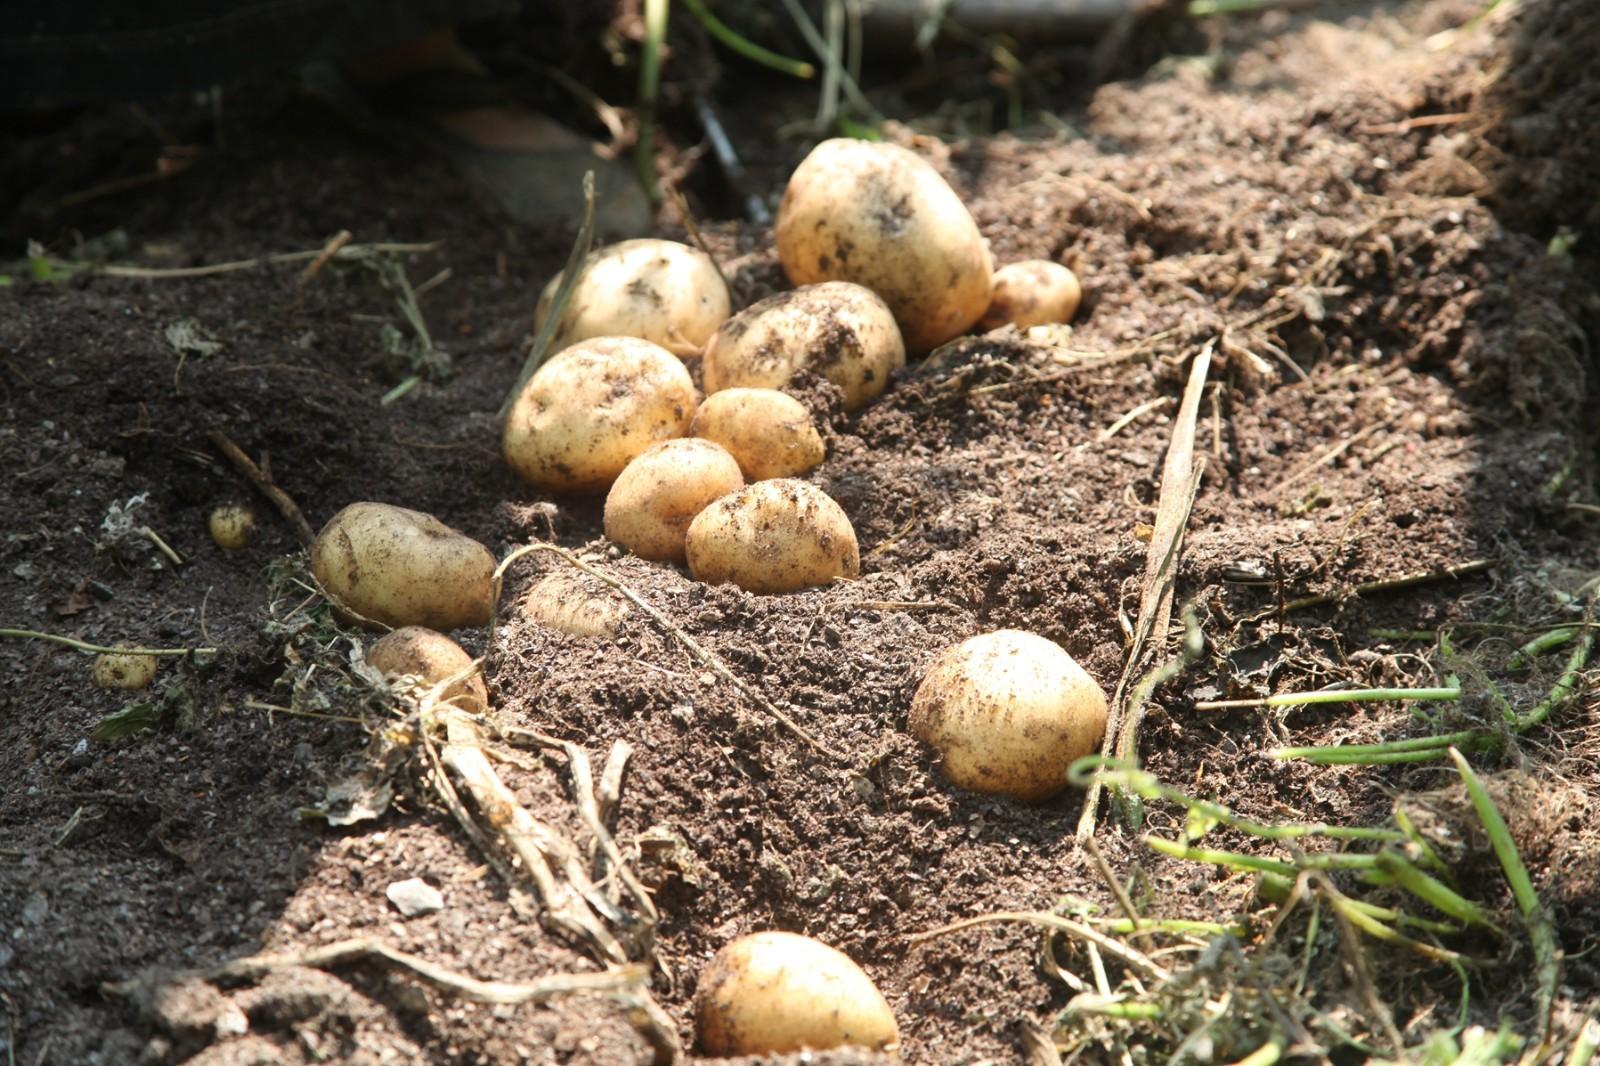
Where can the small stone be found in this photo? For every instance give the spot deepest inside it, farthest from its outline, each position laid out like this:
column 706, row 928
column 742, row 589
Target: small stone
column 414, row 897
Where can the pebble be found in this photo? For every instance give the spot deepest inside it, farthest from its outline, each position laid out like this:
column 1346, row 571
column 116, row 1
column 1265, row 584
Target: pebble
column 414, row 897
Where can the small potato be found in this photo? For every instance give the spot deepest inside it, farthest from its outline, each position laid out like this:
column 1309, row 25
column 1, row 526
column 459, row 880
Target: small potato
column 881, row 216
column 396, row 567
column 1007, row 712
column 232, row 526
column 770, row 993
column 653, row 500
column 662, row 291
column 774, row 536
column 431, row 658
column 574, row 603
column 1033, row 292
column 841, row 331
column 124, row 670
column 591, row 409
column 768, row 432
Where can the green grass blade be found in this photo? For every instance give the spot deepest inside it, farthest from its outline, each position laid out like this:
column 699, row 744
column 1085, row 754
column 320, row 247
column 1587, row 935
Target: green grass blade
column 743, row 46
column 1432, row 891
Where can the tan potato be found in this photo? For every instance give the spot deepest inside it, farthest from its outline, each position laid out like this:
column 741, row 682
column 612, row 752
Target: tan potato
column 653, row 500
column 392, row 566
column 124, row 670
column 430, row 657
column 1034, row 292
column 1007, row 712
column 768, row 432
column 774, row 536
column 881, row 216
column 572, row 602
column 841, row 331
column 232, row 526
column 586, row 413
column 770, row 993
column 661, row 291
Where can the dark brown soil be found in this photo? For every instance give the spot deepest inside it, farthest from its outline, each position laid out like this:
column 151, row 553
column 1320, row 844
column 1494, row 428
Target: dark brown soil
column 1401, row 387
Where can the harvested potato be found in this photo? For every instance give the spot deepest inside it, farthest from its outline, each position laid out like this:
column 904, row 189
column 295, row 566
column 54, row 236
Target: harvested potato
column 232, row 526
column 1033, row 292
column 653, row 500
column 431, row 657
column 661, row 291
column 572, row 602
column 770, row 993
column 391, row 566
column 879, row 215
column 774, row 536
column 1007, row 712
column 768, row 432
column 124, row 670
column 588, row 411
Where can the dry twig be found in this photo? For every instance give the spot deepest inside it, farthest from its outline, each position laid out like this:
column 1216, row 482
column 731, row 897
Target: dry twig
column 265, row 485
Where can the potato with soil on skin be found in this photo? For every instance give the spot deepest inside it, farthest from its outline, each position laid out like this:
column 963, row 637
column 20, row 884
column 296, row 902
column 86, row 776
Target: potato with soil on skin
column 392, row 566
column 774, row 536
column 123, row 670
column 1034, row 292
column 1007, row 712
column 232, row 526
column 653, row 500
column 660, row 291
column 771, row 993
column 431, row 657
column 572, row 602
column 586, row 413
column 880, row 215
column 836, row 329
column 768, row 432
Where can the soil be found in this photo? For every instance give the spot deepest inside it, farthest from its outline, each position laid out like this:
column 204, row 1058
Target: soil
column 1354, row 213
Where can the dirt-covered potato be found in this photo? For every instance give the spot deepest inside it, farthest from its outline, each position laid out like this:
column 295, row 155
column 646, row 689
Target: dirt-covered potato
column 653, row 500
column 839, row 330
column 1007, row 712
column 588, row 411
column 1033, row 292
column 768, row 432
column 774, row 536
column 232, row 526
column 662, row 291
column 572, row 602
column 770, row 993
column 393, row 566
column 881, row 216
column 430, row 657
column 124, row 670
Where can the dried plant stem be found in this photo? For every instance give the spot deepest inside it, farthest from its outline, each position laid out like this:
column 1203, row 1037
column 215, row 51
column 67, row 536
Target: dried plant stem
column 264, row 485
column 1130, row 957
column 100, row 649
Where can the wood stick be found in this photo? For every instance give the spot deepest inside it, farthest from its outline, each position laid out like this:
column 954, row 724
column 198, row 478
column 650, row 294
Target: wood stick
column 264, row 484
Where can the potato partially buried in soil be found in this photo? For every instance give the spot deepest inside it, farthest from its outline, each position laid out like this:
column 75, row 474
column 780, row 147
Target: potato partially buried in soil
column 431, row 657
column 392, row 566
column 569, row 601
column 1034, row 292
column 653, row 500
column 768, row 432
column 232, row 526
column 838, row 330
column 588, row 411
column 774, row 536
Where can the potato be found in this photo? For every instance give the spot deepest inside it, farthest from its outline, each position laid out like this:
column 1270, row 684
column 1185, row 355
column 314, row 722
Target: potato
column 881, row 216
column 1033, row 292
column 768, row 432
column 572, row 602
column 653, row 500
column 770, row 993
column 232, row 526
column 662, row 291
column 124, row 670
column 586, row 413
column 390, row 566
column 774, row 536
column 418, row 652
column 1007, row 712
column 841, row 331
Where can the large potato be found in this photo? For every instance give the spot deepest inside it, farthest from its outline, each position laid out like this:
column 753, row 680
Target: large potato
column 653, row 500
column 1007, row 712
column 839, row 330
column 770, row 993
column 592, row 408
column 662, row 291
column 431, row 657
column 768, row 432
column 881, row 216
column 1034, row 292
column 774, row 536
column 391, row 566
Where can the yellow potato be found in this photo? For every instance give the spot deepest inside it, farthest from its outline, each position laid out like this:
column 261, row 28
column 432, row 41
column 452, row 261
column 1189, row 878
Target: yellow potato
column 1034, row 292
column 768, row 432
column 430, row 657
column 662, row 291
column 588, row 411
column 391, row 566
column 124, row 670
column 572, row 602
column 653, row 500
column 881, row 216
column 232, row 526
column 774, row 536
column 770, row 993
column 841, row 331
column 1007, row 712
